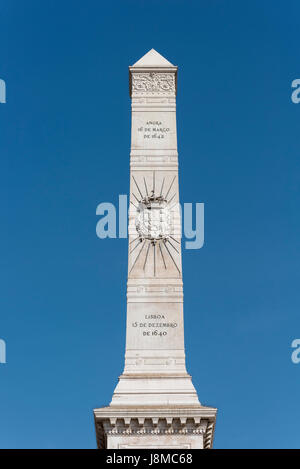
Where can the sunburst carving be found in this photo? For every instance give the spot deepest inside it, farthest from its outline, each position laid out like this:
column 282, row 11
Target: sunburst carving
column 154, row 224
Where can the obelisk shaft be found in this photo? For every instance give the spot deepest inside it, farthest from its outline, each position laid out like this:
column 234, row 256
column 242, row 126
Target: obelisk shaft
column 155, row 335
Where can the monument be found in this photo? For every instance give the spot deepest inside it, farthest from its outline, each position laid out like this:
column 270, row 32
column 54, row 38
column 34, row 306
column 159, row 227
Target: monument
column 155, row 404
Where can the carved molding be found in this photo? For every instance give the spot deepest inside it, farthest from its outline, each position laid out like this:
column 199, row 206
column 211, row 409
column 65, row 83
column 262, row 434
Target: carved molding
column 155, row 431
column 141, row 289
column 209, row 435
column 154, row 426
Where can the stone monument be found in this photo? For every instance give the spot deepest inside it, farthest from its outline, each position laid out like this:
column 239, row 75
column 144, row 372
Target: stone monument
column 155, row 404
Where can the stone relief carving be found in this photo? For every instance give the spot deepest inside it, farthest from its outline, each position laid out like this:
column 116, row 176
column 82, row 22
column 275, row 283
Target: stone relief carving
column 153, row 82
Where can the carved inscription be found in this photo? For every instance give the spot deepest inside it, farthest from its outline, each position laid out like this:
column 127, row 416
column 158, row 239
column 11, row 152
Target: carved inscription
column 154, row 129
column 156, row 325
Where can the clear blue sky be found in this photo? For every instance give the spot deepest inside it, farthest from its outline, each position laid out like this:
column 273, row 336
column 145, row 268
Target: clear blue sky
column 64, row 145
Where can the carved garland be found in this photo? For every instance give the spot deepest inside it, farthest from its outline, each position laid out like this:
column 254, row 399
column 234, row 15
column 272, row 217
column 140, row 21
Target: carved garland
column 153, row 82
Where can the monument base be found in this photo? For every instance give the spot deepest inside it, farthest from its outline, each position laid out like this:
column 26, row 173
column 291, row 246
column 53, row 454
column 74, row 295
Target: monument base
column 155, row 427
column 155, row 411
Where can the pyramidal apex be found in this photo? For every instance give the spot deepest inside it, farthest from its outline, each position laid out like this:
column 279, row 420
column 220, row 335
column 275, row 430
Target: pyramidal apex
column 153, row 59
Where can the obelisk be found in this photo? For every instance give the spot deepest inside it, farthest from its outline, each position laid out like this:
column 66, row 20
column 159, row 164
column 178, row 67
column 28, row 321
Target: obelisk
column 155, row 404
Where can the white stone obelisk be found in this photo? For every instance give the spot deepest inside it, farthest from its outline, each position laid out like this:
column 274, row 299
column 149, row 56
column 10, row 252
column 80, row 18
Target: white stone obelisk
column 155, row 404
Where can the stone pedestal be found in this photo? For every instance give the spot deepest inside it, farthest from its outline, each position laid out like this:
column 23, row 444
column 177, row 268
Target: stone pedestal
column 155, row 404
column 155, row 427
